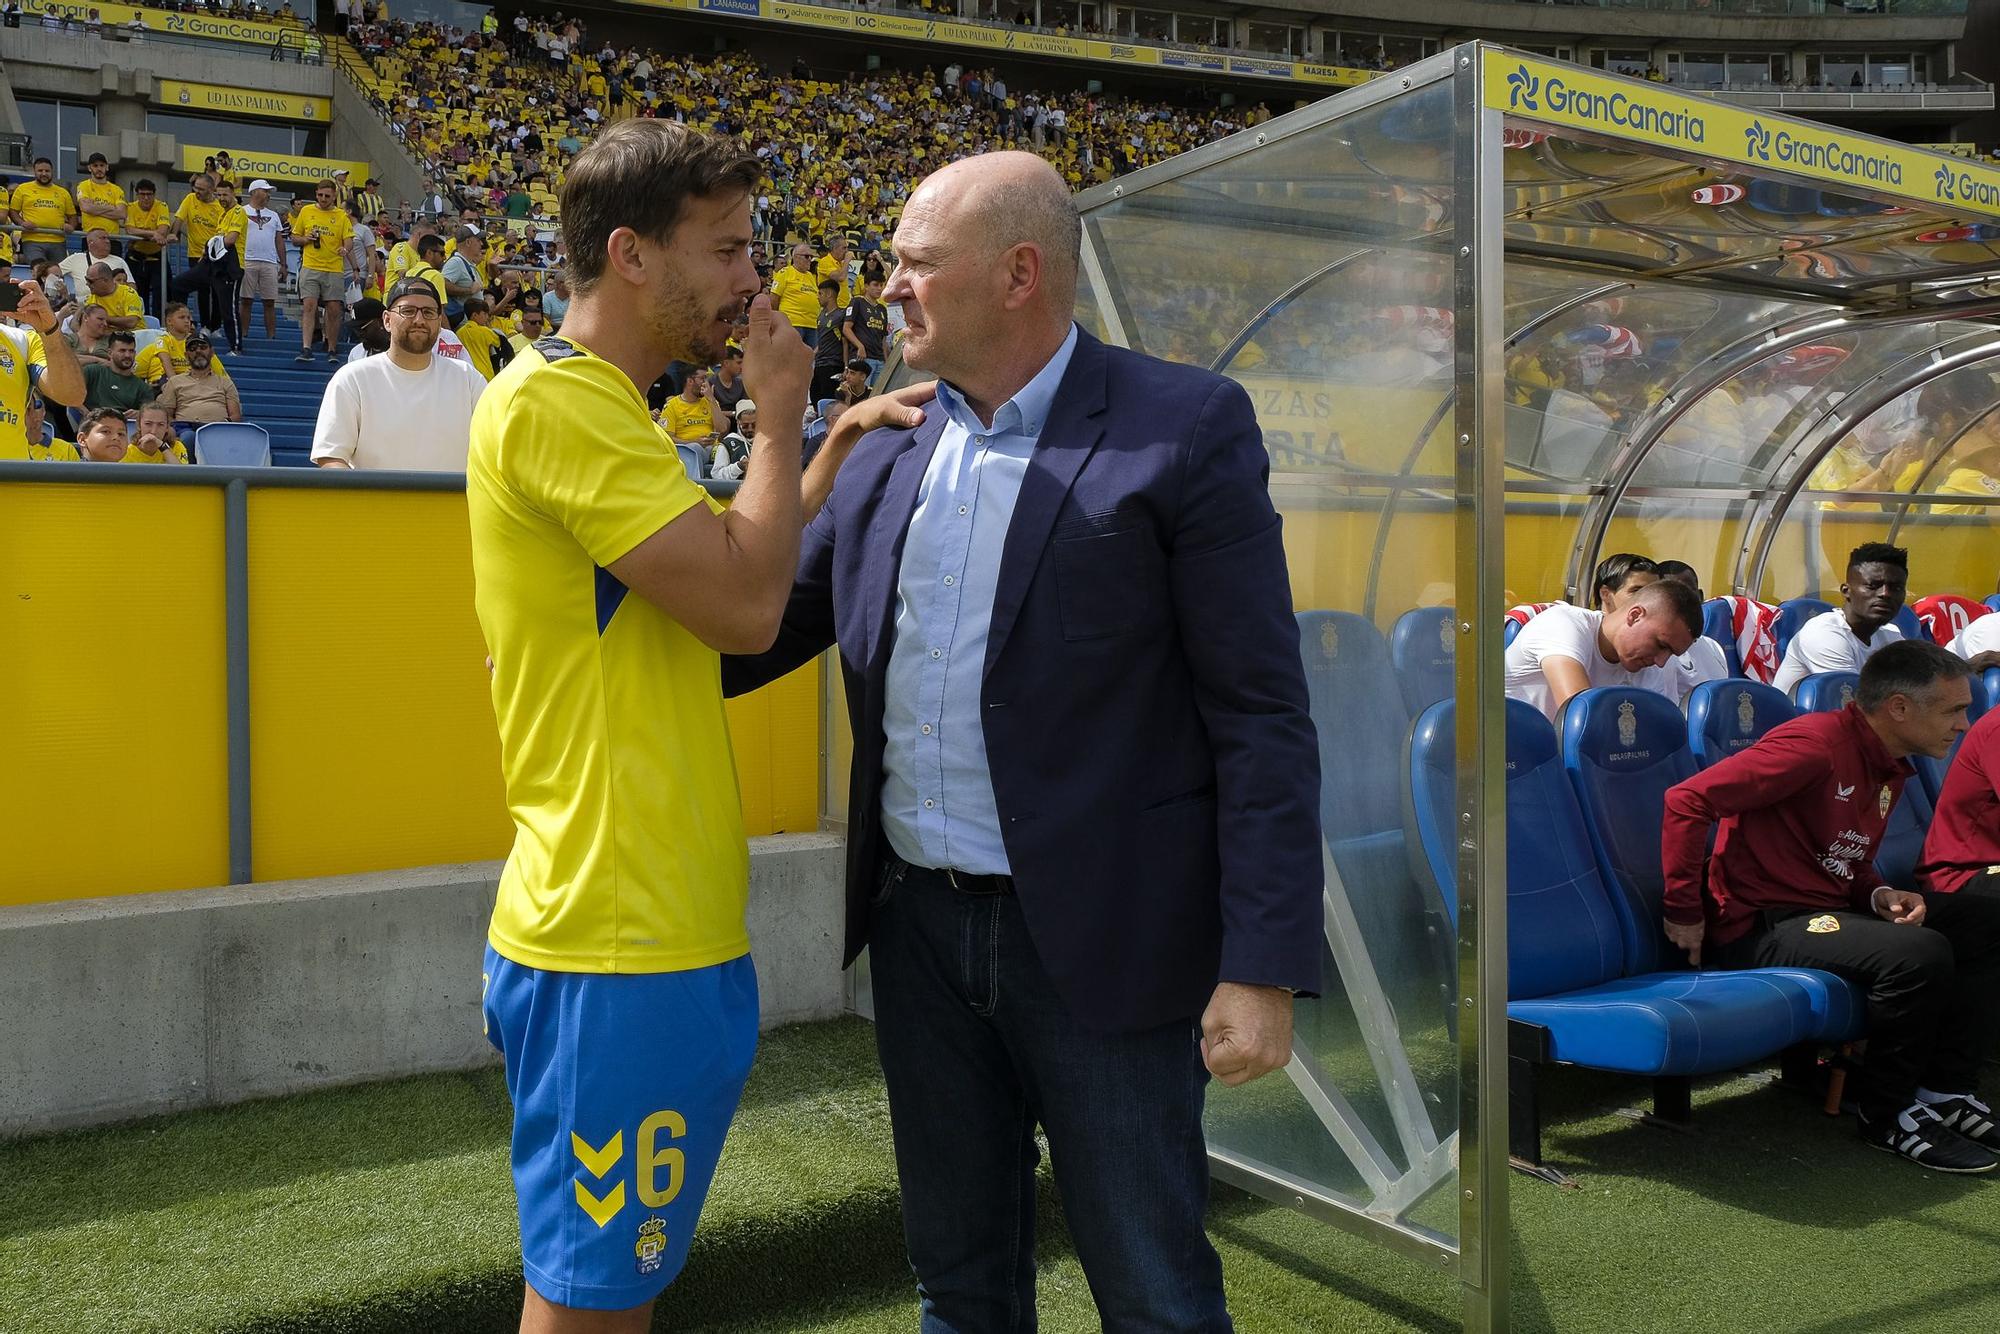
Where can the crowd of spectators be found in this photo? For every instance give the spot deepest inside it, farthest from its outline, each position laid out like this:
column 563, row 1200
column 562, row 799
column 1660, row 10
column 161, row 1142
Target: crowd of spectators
column 495, row 118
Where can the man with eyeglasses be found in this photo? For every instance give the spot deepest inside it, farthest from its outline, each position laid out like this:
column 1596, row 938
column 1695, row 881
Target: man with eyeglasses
column 406, row 408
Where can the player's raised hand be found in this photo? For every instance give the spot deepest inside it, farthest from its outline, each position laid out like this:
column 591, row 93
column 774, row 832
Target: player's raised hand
column 777, row 367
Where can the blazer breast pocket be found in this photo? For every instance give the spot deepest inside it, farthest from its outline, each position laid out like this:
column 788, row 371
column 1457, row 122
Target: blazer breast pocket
column 1103, row 583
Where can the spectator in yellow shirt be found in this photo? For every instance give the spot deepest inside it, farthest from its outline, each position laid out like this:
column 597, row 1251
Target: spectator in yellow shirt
column 154, row 440
column 691, row 416
column 149, row 225
column 167, row 355
column 795, row 292
column 484, row 346
column 322, row 229
column 121, row 304
column 198, row 219
column 104, row 437
column 45, row 213
column 835, row 264
column 34, row 421
column 98, row 198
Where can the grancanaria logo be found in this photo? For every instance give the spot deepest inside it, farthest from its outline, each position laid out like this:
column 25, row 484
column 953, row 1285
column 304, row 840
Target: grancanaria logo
column 1757, row 141
column 1522, row 90
column 1946, row 184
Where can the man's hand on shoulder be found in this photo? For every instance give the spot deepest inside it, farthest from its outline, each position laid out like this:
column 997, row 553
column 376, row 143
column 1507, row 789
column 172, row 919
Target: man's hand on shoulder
column 1246, row 1032
column 903, row 409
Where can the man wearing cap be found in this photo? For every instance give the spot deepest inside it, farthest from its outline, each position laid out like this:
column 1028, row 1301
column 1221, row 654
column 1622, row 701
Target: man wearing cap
column 369, row 197
column 406, row 408
column 342, row 191
column 98, row 197
column 261, row 242
column 198, row 394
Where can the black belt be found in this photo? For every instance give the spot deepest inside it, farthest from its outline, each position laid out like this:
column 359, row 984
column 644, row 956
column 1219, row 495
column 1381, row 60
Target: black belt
column 965, row 882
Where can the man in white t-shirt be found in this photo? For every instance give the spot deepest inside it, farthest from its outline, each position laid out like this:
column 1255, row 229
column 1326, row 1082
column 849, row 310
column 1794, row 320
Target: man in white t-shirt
column 1979, row 642
column 1566, row 650
column 1705, row 659
column 264, row 260
column 1878, row 579
column 406, row 408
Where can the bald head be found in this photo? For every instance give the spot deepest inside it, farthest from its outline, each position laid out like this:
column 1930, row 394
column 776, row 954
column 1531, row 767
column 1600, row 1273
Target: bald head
column 997, row 201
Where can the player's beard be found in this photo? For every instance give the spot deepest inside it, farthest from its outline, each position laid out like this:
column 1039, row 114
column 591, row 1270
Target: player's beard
column 691, row 331
column 416, row 339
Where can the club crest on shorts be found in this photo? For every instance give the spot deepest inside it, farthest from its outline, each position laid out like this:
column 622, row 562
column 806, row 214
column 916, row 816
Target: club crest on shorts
column 1823, row 924
column 1887, row 800
column 651, row 1248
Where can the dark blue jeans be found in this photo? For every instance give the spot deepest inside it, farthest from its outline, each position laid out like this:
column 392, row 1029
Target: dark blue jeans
column 977, row 1050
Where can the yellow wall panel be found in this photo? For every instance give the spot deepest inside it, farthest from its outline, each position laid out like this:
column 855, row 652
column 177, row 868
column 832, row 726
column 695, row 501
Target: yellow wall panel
column 372, row 742
column 113, row 742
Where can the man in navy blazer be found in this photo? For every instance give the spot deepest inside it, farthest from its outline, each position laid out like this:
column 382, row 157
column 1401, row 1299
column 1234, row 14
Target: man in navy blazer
column 1083, row 842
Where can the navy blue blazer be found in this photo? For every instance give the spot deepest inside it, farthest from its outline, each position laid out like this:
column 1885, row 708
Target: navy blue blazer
column 1153, row 762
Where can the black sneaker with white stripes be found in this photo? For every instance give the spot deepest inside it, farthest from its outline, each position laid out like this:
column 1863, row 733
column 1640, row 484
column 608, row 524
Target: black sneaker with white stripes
column 1920, row 1134
column 1971, row 1119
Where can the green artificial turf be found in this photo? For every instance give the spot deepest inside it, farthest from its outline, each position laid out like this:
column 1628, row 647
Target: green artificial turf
column 388, row 1208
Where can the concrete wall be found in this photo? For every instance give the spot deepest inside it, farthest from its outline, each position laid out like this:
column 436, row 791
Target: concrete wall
column 48, row 64
column 123, row 1007
column 359, row 135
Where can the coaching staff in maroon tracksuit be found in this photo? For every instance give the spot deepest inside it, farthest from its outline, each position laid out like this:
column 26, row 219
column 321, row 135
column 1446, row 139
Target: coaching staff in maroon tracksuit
column 1792, row 883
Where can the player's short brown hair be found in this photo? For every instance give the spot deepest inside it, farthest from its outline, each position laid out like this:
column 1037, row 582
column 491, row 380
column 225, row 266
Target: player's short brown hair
column 640, row 173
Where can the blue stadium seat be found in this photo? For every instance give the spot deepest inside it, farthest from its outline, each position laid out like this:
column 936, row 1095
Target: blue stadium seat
column 1623, row 748
column 233, row 445
column 1903, row 841
column 1508, row 629
column 1357, row 711
column 1423, row 647
column 1824, row 692
column 693, row 460
column 1985, row 692
column 1724, row 717
column 1993, row 602
column 1793, row 613
column 1912, row 628
column 1573, row 997
column 1716, row 625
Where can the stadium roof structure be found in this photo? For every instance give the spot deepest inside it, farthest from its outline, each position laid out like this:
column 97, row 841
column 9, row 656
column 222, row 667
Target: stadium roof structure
column 1499, row 315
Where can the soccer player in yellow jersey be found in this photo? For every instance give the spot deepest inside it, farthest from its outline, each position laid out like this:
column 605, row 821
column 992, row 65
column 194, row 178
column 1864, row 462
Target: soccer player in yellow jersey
column 45, row 212
column 99, row 200
column 618, row 983
column 149, row 225
column 322, row 230
column 33, row 357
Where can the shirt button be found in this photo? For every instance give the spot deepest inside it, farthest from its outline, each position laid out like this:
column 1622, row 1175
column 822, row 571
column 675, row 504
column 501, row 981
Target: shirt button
column 961, row 509
column 927, row 729
column 928, row 803
column 937, row 653
column 948, row 581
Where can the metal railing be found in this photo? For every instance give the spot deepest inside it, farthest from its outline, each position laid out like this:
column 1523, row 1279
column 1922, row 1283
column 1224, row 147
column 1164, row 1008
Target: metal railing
column 1774, row 8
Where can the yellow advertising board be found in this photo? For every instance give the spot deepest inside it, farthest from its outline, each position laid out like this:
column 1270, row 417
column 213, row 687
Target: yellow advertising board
column 278, row 168
column 950, row 33
column 181, row 95
column 1546, row 93
column 211, row 27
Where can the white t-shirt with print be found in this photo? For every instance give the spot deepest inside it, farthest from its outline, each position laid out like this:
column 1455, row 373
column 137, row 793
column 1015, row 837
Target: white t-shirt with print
column 1827, row 643
column 1564, row 631
column 1704, row 661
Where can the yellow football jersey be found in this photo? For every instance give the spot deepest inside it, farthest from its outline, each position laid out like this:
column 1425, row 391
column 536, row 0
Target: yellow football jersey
column 687, row 423
column 327, row 253
column 629, row 854
column 22, row 362
column 43, row 210
column 202, row 221
column 148, row 220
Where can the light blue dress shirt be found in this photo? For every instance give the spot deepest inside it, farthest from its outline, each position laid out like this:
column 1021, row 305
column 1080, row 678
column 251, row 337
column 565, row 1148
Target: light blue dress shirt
column 937, row 794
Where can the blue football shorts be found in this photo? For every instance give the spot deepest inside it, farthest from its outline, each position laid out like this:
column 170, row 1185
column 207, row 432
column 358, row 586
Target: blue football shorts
column 623, row 1086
